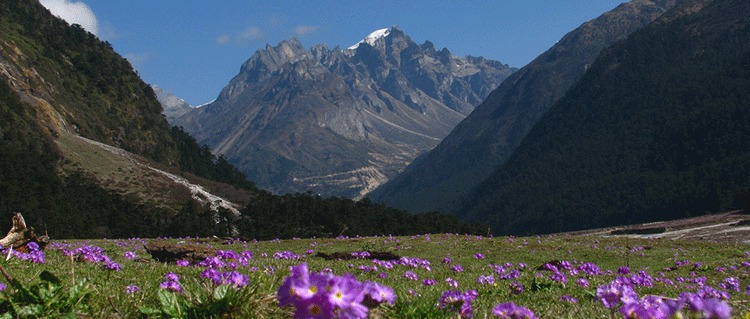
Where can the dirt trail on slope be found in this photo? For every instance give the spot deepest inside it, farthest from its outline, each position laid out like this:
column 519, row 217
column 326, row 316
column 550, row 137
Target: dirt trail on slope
column 727, row 227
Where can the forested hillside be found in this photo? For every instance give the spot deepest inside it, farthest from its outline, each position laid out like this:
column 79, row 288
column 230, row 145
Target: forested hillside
column 492, row 132
column 62, row 91
column 658, row 128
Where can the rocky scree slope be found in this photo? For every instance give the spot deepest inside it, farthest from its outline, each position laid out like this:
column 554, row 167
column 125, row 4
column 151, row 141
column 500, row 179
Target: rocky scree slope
column 340, row 122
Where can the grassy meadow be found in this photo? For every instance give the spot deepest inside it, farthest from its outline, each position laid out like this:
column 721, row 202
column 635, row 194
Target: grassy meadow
column 73, row 282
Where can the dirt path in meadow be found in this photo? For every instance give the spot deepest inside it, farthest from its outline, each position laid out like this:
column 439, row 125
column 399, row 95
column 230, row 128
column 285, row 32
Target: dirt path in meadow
column 728, row 227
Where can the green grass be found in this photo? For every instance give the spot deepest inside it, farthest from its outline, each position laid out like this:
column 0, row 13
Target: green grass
column 107, row 298
column 120, row 173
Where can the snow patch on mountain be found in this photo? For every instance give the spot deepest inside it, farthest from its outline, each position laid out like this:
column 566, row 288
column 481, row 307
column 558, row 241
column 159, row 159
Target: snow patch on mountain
column 372, row 37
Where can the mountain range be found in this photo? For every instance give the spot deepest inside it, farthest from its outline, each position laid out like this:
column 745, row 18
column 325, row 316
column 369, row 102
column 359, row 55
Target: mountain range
column 658, row 128
column 490, row 134
column 340, row 122
column 85, row 152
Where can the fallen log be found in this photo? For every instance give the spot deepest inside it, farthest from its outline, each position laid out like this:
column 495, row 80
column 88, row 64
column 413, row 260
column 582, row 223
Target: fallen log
column 171, row 252
column 20, row 236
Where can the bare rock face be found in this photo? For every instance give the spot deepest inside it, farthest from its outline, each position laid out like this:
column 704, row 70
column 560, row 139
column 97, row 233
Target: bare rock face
column 489, row 136
column 340, row 122
column 172, row 105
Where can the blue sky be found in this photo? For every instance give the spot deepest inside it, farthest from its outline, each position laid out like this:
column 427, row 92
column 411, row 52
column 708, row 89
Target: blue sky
column 194, row 48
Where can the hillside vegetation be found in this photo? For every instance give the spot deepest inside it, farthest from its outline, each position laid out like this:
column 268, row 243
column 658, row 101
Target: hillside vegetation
column 492, row 132
column 62, row 93
column 658, row 128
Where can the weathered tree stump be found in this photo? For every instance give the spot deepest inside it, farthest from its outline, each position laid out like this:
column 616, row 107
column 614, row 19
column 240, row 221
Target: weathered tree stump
column 172, row 252
column 20, row 236
column 379, row 255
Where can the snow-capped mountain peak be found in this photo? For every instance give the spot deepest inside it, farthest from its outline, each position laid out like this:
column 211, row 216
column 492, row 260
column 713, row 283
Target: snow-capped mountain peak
column 372, row 37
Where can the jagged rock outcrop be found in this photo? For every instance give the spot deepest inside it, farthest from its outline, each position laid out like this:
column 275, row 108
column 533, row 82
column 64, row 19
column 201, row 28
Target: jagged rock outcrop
column 340, row 122
column 487, row 137
column 172, row 105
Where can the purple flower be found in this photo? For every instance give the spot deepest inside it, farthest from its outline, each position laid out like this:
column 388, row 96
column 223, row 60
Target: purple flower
column 378, row 293
column 715, row 308
column 457, row 268
column 612, row 294
column 129, row 255
column 172, row 286
column 317, row 306
column 559, row 277
column 170, row 276
column 623, row 270
column 516, row 288
column 428, row 282
column 451, row 282
column 583, row 282
column 731, row 283
column 212, row 274
column 456, row 301
column 131, row 289
column 590, row 269
column 411, row 275
column 478, row 256
column 323, row 295
column 344, row 290
column 510, row 310
column 569, row 299
column 183, row 263
column 2, row 286
column 486, row 280
column 111, row 266
column 295, row 287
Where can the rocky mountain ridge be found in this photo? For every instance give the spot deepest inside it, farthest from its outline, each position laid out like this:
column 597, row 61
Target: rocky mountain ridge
column 657, row 129
column 340, row 122
column 489, row 135
column 172, row 105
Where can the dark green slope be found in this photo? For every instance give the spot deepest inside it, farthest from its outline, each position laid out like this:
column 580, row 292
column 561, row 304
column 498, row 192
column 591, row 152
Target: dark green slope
column 490, row 134
column 95, row 90
column 59, row 82
column 658, row 128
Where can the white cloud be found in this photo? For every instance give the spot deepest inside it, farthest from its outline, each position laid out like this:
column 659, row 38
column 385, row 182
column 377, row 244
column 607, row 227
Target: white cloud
column 74, row 12
column 304, row 30
column 137, row 59
column 223, row 39
column 250, row 34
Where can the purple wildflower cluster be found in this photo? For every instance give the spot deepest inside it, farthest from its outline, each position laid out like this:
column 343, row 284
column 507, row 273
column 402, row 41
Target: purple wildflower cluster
column 35, row 255
column 287, row 255
column 510, row 310
column 171, row 283
column 92, row 254
column 233, row 278
column 704, row 304
column 458, row 302
column 361, row 254
column 323, row 295
column 131, row 289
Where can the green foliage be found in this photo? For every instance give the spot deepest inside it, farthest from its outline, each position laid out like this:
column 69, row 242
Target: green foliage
column 304, row 215
column 200, row 161
column 106, row 297
column 93, row 88
column 658, row 128
column 217, row 303
column 47, row 299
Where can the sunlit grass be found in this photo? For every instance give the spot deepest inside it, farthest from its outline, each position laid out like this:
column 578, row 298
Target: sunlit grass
column 662, row 259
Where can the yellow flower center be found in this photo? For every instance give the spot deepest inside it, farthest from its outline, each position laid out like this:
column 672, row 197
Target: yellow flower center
column 315, row 309
column 313, row 289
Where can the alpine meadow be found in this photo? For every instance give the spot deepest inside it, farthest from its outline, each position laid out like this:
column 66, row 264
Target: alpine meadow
column 609, row 177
